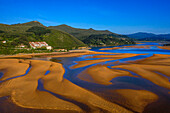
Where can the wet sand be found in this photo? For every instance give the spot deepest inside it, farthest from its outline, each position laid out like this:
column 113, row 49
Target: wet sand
column 24, row 93
column 110, row 57
column 136, row 100
column 155, row 69
column 111, row 48
column 71, row 53
column 40, row 92
column 164, row 47
column 101, row 74
column 31, row 55
column 116, row 55
column 123, row 47
column 149, row 67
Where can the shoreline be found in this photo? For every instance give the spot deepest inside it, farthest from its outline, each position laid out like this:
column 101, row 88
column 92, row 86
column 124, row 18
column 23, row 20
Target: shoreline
column 30, row 55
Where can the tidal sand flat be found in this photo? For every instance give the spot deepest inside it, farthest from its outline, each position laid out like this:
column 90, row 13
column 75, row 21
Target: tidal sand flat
column 103, row 58
column 164, row 47
column 24, row 90
column 134, row 46
column 101, row 74
column 86, row 82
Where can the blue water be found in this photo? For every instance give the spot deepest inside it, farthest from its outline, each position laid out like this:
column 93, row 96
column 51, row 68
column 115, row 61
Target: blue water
column 123, row 82
column 152, row 50
column 119, row 82
column 27, row 71
column 1, row 74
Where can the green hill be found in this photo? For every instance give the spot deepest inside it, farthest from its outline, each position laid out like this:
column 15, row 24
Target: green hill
column 19, row 33
column 93, row 37
column 107, row 40
column 19, row 28
column 62, row 36
column 81, row 34
column 60, row 39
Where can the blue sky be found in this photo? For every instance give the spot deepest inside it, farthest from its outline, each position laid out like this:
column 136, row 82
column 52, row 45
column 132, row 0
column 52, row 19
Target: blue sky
column 119, row 16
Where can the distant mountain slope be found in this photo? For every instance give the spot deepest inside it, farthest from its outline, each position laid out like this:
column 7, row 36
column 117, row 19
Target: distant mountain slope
column 107, row 39
column 140, row 35
column 81, row 34
column 93, row 37
column 17, row 34
column 19, row 28
column 60, row 39
column 162, row 37
column 32, row 23
column 150, row 36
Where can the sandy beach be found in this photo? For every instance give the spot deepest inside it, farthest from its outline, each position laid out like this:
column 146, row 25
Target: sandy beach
column 164, row 47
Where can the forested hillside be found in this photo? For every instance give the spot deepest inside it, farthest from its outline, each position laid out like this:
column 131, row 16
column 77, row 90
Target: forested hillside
column 34, row 31
column 95, row 37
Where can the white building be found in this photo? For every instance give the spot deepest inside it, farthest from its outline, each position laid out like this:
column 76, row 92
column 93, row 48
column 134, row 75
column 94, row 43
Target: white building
column 4, row 42
column 39, row 45
column 49, row 47
column 21, row 46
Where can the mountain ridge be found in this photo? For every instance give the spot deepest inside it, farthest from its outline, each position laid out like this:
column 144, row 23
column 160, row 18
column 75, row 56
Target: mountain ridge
column 79, row 33
column 17, row 34
column 64, row 35
column 149, row 36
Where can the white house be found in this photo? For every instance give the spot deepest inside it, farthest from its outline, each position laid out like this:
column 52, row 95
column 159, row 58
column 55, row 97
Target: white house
column 39, row 45
column 4, row 42
column 22, row 46
column 49, row 47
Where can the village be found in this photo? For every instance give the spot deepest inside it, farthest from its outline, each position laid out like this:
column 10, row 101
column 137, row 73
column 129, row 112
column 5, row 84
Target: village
column 42, row 46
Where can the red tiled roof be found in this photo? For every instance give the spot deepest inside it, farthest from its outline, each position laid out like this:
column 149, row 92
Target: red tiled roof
column 35, row 44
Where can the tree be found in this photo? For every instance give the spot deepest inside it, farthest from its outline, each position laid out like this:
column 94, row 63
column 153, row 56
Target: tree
column 39, row 30
column 2, row 31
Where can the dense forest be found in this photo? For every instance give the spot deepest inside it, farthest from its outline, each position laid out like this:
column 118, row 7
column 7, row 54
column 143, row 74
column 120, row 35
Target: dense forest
column 109, row 40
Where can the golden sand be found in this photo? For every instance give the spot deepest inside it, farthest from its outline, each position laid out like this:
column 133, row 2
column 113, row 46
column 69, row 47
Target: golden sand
column 88, row 62
column 139, row 43
column 144, row 72
column 110, row 57
column 30, row 55
column 23, row 90
column 12, row 68
column 24, row 93
column 63, row 87
column 164, row 47
column 122, row 47
column 111, row 48
column 116, row 56
column 135, row 100
column 75, row 54
column 149, row 67
column 101, row 74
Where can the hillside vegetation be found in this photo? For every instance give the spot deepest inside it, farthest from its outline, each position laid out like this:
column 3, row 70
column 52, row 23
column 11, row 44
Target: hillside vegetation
column 35, row 31
column 61, row 36
column 95, row 37
column 109, row 40
column 81, row 34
